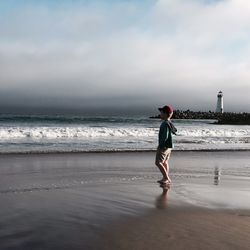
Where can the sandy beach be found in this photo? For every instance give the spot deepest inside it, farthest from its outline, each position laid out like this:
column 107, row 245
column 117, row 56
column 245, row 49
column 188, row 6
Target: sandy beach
column 181, row 228
column 112, row 201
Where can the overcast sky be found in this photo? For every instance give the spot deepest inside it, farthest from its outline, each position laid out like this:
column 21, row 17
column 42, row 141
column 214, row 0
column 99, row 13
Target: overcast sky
column 121, row 53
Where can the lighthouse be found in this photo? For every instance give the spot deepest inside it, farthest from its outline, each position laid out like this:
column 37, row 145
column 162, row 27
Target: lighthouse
column 219, row 107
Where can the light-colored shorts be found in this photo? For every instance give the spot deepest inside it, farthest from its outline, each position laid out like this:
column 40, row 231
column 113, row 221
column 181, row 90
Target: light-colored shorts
column 162, row 155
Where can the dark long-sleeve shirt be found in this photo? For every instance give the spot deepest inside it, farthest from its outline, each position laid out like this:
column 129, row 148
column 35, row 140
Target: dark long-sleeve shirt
column 165, row 136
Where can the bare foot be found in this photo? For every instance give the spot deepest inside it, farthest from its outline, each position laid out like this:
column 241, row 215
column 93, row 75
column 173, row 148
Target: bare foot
column 164, row 181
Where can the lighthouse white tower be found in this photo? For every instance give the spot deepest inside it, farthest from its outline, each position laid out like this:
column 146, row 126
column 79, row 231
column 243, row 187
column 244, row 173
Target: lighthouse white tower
column 219, row 107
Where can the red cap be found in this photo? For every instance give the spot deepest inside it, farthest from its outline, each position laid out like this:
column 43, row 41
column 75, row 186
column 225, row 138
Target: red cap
column 166, row 109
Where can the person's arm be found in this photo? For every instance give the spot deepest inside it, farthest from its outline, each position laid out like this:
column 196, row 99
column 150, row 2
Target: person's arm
column 163, row 135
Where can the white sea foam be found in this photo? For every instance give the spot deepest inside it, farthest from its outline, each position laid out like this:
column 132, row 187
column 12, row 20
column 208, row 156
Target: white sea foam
column 214, row 132
column 73, row 132
column 95, row 132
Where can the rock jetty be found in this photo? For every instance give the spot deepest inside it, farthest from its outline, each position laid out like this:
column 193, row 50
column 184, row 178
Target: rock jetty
column 225, row 118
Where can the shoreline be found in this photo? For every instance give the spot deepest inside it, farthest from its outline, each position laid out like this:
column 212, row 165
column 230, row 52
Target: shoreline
column 117, row 151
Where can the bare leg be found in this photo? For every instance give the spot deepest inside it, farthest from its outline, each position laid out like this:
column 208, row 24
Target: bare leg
column 166, row 167
column 163, row 170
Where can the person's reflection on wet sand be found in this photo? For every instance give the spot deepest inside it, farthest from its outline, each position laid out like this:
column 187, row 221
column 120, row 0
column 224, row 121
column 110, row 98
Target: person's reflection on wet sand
column 162, row 200
column 217, row 173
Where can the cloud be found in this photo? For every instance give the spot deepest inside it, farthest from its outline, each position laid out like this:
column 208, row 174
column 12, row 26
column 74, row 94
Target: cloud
column 180, row 51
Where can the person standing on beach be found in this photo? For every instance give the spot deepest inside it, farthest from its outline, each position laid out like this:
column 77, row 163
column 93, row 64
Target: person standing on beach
column 165, row 143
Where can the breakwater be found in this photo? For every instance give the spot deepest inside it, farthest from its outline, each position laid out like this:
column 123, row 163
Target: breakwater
column 234, row 118
column 225, row 118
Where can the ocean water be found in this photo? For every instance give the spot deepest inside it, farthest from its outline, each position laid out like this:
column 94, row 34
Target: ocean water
column 33, row 134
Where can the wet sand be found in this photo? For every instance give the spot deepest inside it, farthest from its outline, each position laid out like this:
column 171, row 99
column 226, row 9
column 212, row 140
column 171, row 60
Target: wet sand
column 181, row 228
column 112, row 201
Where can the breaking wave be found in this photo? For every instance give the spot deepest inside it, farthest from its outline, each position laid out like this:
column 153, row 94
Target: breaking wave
column 83, row 134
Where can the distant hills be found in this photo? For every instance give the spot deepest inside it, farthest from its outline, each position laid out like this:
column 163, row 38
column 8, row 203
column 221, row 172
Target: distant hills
column 225, row 118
